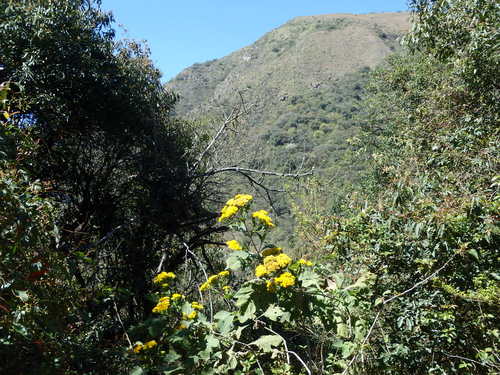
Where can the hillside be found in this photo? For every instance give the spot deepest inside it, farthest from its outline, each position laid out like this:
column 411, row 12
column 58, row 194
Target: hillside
column 305, row 54
column 305, row 83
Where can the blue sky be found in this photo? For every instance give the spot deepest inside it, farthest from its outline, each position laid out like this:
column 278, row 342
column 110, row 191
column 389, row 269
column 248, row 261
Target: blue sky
column 181, row 33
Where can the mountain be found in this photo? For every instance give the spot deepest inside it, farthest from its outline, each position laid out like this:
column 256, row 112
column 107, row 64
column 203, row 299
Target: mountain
column 305, row 82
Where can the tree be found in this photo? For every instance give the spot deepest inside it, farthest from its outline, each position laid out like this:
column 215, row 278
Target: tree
column 93, row 129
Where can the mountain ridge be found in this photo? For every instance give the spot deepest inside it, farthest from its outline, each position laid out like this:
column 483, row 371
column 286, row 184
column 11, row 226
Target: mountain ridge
column 304, row 81
column 302, row 49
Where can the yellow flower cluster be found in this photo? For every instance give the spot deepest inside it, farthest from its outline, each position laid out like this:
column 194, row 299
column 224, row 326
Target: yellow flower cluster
column 239, row 200
column 272, row 263
column 232, row 206
column 162, row 276
column 305, row 262
column 212, row 279
column 285, row 280
column 263, row 216
column 162, row 305
column 149, row 345
column 234, row 245
column 227, row 212
column 271, row 251
column 177, row 296
column 192, row 315
column 196, row 306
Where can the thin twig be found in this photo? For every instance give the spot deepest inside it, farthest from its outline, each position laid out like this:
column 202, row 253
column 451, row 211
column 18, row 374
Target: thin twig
column 363, row 343
column 420, row 282
column 206, row 278
column 391, row 299
column 232, row 117
column 257, row 171
column 123, row 326
column 301, row 361
column 470, row 360
column 284, row 342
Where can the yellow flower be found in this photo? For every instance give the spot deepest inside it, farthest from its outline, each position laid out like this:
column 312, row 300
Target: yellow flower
column 207, row 284
column 150, row 344
column 285, row 280
column 283, row 260
column 262, row 215
column 260, row 270
column 239, row 200
column 162, row 276
column 177, row 296
column 234, row 245
column 271, row 251
column 272, row 263
column 224, row 273
column 204, row 286
column 305, row 262
column 213, row 278
column 162, row 305
column 226, row 288
column 138, row 348
column 227, row 212
column 196, row 306
column 192, row 315
column 181, row 326
column 271, row 286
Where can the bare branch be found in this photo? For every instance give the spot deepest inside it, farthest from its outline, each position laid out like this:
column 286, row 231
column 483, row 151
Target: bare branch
column 257, row 171
column 123, row 326
column 235, row 114
column 362, row 344
column 420, row 282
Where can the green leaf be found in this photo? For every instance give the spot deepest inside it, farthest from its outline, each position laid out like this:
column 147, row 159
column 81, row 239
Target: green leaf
column 249, row 312
column 224, row 321
column 137, row 371
column 22, row 295
column 274, row 312
column 309, row 278
column 239, row 331
column 243, row 295
column 172, row 356
column 212, row 342
column 235, row 261
column 474, row 253
column 348, row 348
column 267, row 342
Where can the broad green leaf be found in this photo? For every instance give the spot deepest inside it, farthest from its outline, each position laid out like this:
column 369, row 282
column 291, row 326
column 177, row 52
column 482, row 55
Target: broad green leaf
column 224, row 321
column 243, row 295
column 22, row 295
column 348, row 349
column 235, row 261
column 212, row 342
column 267, row 342
column 274, row 312
column 249, row 312
column 137, row 371
column 171, row 356
column 309, row 278
column 239, row 331
column 474, row 253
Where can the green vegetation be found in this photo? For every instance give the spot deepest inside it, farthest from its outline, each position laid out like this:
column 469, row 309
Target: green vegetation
column 114, row 260
column 304, row 84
